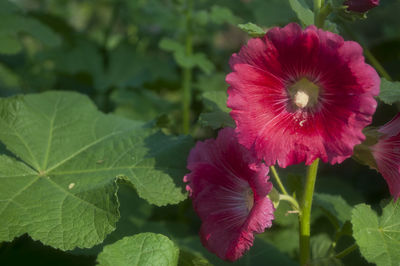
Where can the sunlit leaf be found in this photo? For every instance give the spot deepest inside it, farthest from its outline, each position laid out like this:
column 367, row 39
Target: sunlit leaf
column 252, row 29
column 390, row 91
column 62, row 190
column 304, row 13
column 140, row 249
column 378, row 236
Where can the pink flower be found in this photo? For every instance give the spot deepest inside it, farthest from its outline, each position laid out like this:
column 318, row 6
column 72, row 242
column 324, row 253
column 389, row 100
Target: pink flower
column 361, row 6
column 297, row 95
column 229, row 189
column 387, row 155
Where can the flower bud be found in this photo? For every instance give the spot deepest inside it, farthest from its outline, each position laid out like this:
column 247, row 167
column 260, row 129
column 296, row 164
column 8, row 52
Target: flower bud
column 361, row 6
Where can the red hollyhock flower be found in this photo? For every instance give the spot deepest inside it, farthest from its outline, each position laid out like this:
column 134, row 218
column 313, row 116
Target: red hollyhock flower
column 361, row 6
column 297, row 95
column 387, row 155
column 229, row 189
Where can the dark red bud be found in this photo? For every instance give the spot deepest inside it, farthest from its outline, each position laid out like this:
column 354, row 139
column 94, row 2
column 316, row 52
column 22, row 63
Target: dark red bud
column 361, row 6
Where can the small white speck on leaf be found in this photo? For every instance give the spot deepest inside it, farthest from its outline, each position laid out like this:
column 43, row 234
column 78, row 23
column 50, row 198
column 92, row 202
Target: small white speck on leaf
column 71, row 186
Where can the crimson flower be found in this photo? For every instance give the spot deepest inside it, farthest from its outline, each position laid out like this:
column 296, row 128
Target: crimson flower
column 297, row 95
column 229, row 189
column 387, row 155
column 361, row 6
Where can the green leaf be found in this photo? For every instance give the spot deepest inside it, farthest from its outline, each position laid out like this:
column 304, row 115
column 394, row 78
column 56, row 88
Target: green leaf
column 218, row 116
column 220, row 15
column 214, row 82
column 170, row 45
column 197, row 59
column 321, row 252
column 9, row 44
column 271, row 12
column 261, row 253
column 285, row 239
column 83, row 57
column 7, row 7
column 304, row 13
column 283, row 217
column 141, row 249
column 189, row 258
column 8, row 77
column 130, row 68
column 143, row 105
column 378, row 237
column 12, row 24
column 186, row 61
column 295, row 185
column 337, row 208
column 252, row 29
column 201, row 17
column 62, row 189
column 390, row 91
column 204, row 63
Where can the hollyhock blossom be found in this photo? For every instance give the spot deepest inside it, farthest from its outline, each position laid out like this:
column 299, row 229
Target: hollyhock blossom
column 387, row 155
column 361, row 6
column 297, row 95
column 229, row 189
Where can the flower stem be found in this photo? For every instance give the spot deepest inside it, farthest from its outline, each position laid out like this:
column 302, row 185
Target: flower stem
column 346, row 251
column 278, row 180
column 291, row 200
column 372, row 59
column 187, row 71
column 305, row 214
column 318, row 17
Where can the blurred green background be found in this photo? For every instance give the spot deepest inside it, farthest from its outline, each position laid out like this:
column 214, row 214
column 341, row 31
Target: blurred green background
column 111, row 51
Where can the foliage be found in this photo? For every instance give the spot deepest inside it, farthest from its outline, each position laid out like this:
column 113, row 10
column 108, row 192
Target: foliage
column 92, row 153
column 369, row 229
column 390, row 91
column 140, row 249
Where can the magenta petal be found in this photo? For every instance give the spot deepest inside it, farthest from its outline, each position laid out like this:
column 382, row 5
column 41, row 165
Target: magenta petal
column 391, row 128
column 387, row 155
column 263, row 107
column 229, row 187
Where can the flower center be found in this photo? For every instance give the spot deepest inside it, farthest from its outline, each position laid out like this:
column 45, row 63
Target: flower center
column 249, row 198
column 304, row 93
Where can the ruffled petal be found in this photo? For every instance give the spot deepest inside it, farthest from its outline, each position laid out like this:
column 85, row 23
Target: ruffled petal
column 262, row 106
column 387, row 155
column 229, row 187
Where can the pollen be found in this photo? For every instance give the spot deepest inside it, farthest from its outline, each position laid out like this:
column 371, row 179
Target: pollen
column 301, row 99
column 304, row 93
column 249, row 196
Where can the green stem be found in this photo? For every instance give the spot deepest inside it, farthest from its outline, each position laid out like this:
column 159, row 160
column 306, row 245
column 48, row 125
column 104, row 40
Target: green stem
column 319, row 16
column 278, row 180
column 291, row 200
column 305, row 214
column 346, row 251
column 372, row 59
column 187, row 71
